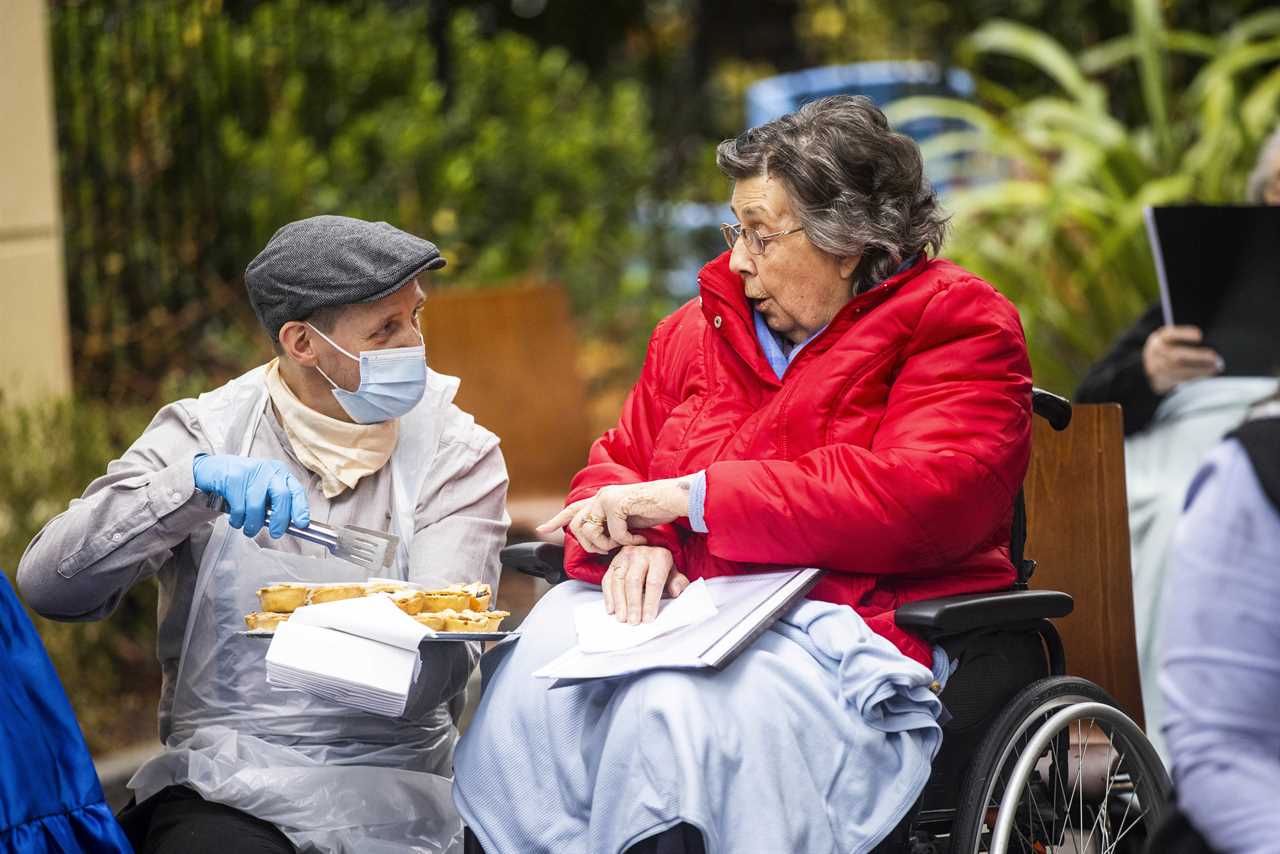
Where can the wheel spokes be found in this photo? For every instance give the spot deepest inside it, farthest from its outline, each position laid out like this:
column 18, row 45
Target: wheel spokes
column 1079, row 816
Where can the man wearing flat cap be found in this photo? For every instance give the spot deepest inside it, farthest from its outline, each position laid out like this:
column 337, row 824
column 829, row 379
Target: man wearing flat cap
column 347, row 425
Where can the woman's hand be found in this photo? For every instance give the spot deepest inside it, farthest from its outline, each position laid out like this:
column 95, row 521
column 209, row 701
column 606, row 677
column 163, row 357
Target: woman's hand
column 1170, row 356
column 604, row 521
column 637, row 578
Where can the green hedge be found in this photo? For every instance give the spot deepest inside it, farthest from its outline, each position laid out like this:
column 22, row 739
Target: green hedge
column 188, row 133
column 109, row 668
column 188, row 136
column 1063, row 233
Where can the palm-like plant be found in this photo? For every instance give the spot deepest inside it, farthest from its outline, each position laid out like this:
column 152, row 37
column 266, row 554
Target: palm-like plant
column 1061, row 232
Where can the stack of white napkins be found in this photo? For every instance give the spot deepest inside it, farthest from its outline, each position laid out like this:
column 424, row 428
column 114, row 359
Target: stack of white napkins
column 599, row 631
column 361, row 653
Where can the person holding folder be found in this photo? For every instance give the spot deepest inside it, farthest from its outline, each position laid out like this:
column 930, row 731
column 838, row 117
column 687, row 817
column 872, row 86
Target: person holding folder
column 1186, row 373
column 837, row 397
column 1153, row 357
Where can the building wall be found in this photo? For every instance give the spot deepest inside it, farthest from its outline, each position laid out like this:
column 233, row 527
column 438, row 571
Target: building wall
column 35, row 357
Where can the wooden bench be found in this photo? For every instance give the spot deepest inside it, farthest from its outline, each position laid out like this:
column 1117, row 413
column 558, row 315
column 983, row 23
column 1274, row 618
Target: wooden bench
column 1078, row 534
column 514, row 348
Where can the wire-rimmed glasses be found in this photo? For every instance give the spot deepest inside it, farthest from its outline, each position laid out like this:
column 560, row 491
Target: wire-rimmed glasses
column 754, row 239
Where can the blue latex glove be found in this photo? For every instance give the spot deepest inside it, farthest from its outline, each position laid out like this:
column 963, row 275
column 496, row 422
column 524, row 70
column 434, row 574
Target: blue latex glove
column 250, row 486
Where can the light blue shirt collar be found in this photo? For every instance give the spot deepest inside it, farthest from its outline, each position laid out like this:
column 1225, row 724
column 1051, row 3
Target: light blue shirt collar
column 778, row 351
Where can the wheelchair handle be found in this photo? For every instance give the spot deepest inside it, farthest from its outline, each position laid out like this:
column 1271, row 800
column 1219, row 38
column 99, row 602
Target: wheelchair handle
column 1056, row 410
column 541, row 560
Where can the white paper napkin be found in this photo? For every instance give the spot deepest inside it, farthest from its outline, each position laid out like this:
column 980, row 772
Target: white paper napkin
column 361, row 653
column 599, row 631
column 375, row 617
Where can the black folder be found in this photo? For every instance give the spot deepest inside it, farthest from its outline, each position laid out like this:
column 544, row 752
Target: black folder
column 1219, row 269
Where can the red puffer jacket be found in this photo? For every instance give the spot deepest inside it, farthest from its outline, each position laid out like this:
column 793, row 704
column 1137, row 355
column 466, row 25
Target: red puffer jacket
column 889, row 454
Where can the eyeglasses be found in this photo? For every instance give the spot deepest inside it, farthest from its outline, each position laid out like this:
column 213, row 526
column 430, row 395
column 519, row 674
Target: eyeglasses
column 755, row 240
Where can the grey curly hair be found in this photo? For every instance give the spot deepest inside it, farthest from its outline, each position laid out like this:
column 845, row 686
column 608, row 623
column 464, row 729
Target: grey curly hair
column 858, row 186
column 1264, row 168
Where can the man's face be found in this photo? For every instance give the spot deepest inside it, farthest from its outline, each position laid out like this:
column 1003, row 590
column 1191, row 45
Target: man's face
column 796, row 287
column 381, row 325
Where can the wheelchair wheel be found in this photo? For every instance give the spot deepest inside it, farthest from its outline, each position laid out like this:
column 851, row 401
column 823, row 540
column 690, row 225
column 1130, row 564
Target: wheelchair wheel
column 1074, row 776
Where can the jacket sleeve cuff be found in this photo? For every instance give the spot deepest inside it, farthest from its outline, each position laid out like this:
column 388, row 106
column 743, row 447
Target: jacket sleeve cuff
column 697, row 502
column 589, row 567
column 666, row 536
column 173, row 488
column 582, row 564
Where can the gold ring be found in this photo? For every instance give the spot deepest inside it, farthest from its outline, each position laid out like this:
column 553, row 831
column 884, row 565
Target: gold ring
column 593, row 519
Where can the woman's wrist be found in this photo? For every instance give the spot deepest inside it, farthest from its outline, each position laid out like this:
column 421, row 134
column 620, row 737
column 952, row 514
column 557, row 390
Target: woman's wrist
column 676, row 495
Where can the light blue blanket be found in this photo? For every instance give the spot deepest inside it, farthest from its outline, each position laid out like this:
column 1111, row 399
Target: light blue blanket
column 817, row 738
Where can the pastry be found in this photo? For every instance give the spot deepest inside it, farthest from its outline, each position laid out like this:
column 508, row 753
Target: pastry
column 495, row 619
column 385, row 586
column 439, row 600
column 450, row 620
column 283, row 598
column 480, row 594
column 434, row 620
column 263, row 620
column 335, row 593
column 466, row 621
column 409, row 601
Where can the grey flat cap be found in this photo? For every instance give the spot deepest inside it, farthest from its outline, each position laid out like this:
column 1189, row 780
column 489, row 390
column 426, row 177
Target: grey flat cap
column 328, row 261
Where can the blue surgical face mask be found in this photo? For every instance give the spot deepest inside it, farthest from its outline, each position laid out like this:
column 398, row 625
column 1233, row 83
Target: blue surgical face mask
column 391, row 382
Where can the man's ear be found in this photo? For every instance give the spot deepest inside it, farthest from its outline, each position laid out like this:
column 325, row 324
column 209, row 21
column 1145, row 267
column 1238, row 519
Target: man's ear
column 298, row 343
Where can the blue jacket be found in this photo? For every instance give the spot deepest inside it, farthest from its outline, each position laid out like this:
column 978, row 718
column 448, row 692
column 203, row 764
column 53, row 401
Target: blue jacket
column 50, row 798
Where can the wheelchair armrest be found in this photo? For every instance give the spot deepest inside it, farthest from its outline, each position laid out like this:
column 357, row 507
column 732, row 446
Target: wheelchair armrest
column 1056, row 409
column 541, row 560
column 954, row 615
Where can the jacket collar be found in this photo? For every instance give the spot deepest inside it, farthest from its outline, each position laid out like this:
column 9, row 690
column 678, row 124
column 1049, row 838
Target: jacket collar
column 723, row 296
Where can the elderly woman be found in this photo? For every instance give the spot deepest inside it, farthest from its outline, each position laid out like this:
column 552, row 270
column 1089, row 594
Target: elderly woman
column 835, row 398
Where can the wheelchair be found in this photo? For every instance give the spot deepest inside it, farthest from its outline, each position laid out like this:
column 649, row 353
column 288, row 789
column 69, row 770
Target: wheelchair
column 1033, row 761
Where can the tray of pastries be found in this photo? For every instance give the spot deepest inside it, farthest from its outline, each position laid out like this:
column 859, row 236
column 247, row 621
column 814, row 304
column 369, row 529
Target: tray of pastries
column 458, row 611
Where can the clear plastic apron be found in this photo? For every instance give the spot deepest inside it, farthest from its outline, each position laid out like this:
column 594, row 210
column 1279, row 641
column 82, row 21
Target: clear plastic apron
column 332, row 779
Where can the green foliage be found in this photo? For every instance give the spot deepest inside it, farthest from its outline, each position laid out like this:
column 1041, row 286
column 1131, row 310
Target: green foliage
column 109, row 668
column 1062, row 232
column 188, row 136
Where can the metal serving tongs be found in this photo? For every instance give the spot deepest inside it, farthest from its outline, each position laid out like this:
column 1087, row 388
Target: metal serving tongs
column 365, row 547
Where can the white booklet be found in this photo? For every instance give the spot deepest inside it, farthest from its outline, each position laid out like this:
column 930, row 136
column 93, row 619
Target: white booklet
column 361, row 653
column 722, row 618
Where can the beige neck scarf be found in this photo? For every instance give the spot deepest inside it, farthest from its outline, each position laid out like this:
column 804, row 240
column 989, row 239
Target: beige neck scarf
column 338, row 451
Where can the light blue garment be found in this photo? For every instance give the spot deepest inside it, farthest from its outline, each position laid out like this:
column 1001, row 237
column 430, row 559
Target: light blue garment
column 817, row 738
column 1220, row 673
column 698, row 502
column 392, row 381
column 1159, row 462
column 779, row 351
